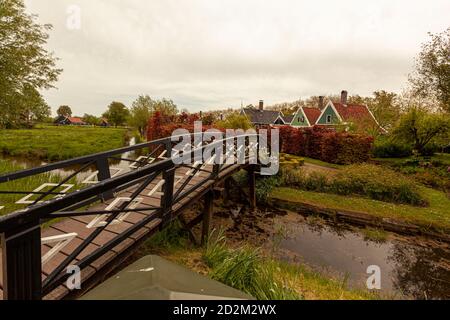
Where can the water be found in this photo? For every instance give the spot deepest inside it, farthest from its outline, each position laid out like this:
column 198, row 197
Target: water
column 28, row 163
column 411, row 267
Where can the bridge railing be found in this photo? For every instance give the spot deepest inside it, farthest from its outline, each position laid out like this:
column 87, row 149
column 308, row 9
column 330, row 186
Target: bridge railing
column 152, row 171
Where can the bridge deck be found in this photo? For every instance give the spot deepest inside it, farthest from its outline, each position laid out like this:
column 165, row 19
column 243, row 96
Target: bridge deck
column 78, row 225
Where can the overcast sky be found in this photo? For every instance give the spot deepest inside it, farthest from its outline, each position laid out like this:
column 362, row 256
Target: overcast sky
column 209, row 54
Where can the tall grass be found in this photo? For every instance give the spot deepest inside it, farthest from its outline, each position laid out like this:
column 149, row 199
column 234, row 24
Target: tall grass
column 245, row 269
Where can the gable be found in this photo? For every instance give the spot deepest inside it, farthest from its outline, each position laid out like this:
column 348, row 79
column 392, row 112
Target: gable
column 300, row 119
column 279, row 121
column 329, row 116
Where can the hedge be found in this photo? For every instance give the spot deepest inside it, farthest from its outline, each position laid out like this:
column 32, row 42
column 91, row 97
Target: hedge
column 325, row 144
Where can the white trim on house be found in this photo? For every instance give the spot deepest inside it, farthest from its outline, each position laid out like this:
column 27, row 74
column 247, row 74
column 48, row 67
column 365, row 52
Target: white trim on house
column 304, row 114
column 330, row 103
column 281, row 118
column 376, row 121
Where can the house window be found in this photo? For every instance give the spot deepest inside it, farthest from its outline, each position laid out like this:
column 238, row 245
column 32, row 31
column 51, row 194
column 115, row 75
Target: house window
column 329, row 119
column 302, row 119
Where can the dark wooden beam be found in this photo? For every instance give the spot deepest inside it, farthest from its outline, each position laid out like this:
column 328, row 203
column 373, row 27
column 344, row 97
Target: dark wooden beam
column 252, row 186
column 207, row 216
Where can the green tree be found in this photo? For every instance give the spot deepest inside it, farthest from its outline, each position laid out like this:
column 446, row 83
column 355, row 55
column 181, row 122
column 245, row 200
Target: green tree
column 420, row 127
column 234, row 121
column 141, row 110
column 166, row 106
column 64, row 111
column 432, row 75
column 91, row 119
column 25, row 65
column 117, row 114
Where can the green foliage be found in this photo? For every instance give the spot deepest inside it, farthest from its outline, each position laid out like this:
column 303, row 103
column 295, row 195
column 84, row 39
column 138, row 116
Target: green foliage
column 432, row 76
column 376, row 235
column 140, row 112
column 25, row 66
column 420, row 127
column 245, row 269
column 117, row 114
column 170, row 238
column 371, row 181
column 53, row 143
column 216, row 250
column 291, row 161
column 264, row 186
column 234, row 121
column 91, row 119
column 64, row 111
column 385, row 148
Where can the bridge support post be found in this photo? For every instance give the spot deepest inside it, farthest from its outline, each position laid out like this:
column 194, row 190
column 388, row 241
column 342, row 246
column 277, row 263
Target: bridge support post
column 167, row 198
column 252, row 186
column 104, row 174
column 207, row 216
column 21, row 253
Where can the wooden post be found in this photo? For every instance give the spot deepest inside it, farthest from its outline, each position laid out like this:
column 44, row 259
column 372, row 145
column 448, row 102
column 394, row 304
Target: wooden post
column 167, row 198
column 104, row 174
column 207, row 216
column 252, row 186
column 21, row 251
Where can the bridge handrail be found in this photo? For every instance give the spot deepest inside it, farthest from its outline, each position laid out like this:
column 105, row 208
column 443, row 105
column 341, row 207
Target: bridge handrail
column 41, row 210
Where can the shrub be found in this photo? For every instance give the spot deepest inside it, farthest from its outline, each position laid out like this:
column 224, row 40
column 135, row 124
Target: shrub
column 379, row 184
column 325, row 144
column 429, row 150
column 374, row 182
column 387, row 149
column 264, row 185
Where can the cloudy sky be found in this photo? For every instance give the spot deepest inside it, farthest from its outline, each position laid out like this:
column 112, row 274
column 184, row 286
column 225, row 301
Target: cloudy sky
column 209, row 54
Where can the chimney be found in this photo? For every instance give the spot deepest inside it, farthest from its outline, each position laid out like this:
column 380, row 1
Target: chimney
column 321, row 100
column 261, row 105
column 344, row 96
column 201, row 114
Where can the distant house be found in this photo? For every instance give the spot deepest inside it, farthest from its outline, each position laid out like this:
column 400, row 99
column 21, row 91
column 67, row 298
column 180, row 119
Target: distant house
column 104, row 122
column 260, row 117
column 305, row 117
column 344, row 113
column 334, row 114
column 69, row 121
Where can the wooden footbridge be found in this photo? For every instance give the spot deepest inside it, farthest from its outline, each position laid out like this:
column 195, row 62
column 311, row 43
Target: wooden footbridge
column 96, row 222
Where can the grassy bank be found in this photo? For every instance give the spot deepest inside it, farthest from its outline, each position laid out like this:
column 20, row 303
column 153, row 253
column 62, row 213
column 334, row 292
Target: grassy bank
column 248, row 269
column 436, row 215
column 322, row 163
column 52, row 143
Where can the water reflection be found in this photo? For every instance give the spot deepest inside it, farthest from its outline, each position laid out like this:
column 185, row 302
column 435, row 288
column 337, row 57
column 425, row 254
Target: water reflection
column 411, row 267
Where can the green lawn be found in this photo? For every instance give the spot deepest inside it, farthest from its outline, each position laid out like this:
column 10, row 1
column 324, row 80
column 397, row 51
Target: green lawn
column 52, row 143
column 437, row 215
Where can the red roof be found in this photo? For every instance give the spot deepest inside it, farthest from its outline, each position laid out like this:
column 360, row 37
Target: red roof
column 312, row 114
column 350, row 112
column 75, row 120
